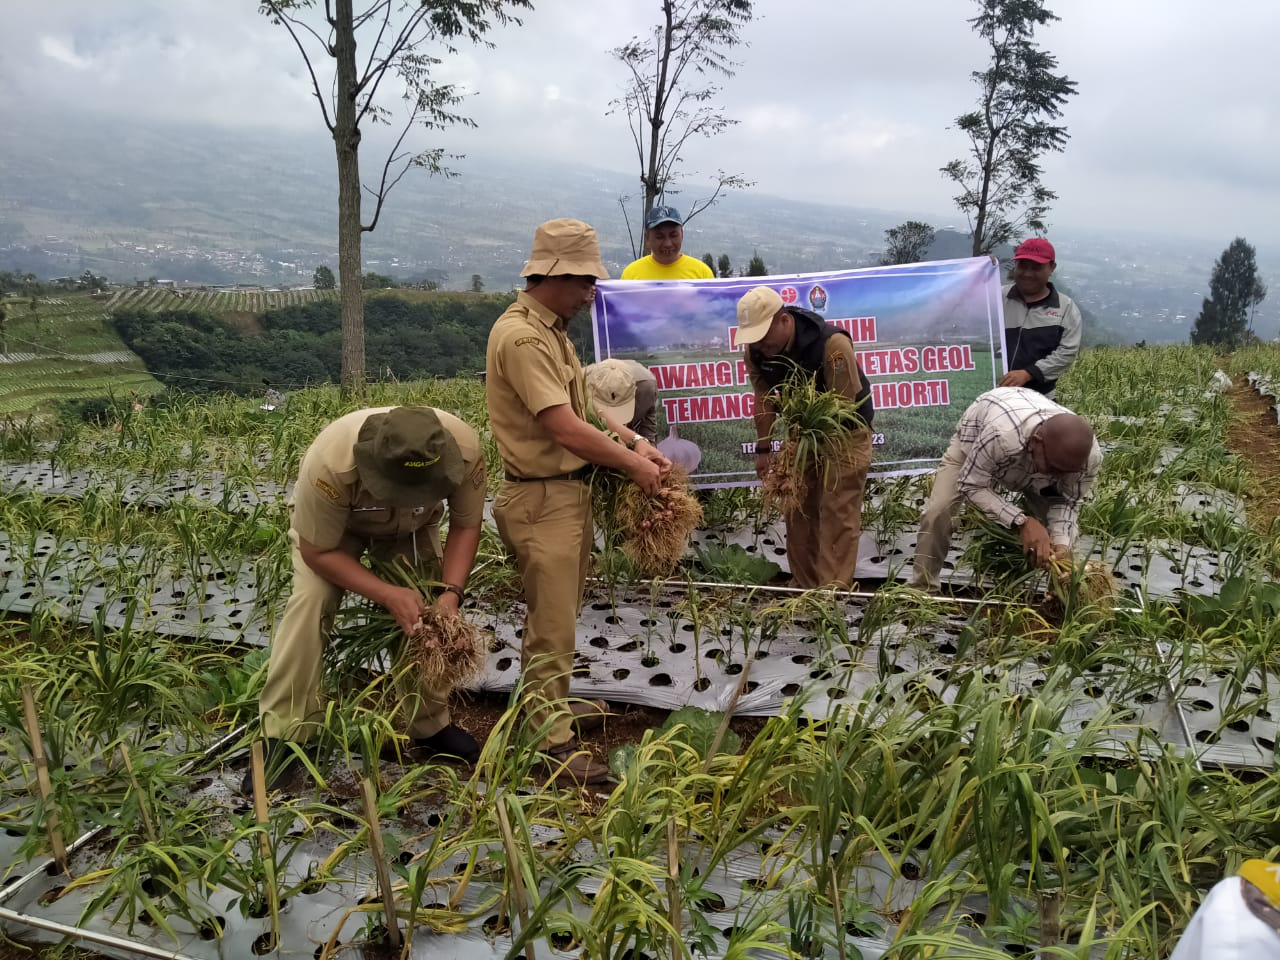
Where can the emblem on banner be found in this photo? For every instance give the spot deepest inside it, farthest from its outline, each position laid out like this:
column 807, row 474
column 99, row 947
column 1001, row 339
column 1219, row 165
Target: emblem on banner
column 788, row 295
column 818, row 298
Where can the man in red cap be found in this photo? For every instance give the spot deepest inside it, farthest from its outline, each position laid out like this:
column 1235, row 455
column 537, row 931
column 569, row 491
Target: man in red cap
column 1041, row 325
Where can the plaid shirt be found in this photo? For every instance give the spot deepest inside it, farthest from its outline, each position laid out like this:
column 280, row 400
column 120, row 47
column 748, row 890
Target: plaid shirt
column 994, row 433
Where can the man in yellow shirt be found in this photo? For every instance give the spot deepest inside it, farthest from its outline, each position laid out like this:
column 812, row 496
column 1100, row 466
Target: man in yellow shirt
column 537, row 401
column 664, row 235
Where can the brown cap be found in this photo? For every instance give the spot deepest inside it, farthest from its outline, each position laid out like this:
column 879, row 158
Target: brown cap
column 565, row 247
column 756, row 311
column 406, row 457
column 613, row 388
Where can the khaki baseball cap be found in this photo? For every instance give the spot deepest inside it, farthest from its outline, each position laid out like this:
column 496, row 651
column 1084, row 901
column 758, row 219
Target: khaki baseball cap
column 563, row 247
column 613, row 389
column 756, row 311
column 407, row 457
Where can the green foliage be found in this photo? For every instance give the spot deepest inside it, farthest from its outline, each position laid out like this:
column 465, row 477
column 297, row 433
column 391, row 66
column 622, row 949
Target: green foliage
column 730, row 563
column 323, row 278
column 908, row 242
column 691, row 726
column 710, row 261
column 477, row 283
column 724, row 268
column 1235, row 289
column 999, row 179
column 756, row 267
column 440, row 336
column 1241, row 598
column 376, row 281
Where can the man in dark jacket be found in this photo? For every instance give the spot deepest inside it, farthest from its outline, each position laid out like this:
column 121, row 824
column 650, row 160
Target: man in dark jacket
column 1041, row 326
column 785, row 342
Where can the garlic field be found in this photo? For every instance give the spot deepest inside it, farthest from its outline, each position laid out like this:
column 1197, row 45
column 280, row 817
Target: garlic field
column 1014, row 771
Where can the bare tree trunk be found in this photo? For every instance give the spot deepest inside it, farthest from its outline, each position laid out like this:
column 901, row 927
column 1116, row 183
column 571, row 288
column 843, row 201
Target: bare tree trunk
column 346, row 140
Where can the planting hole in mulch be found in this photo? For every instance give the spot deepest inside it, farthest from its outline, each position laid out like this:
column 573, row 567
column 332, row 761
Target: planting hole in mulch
column 264, row 944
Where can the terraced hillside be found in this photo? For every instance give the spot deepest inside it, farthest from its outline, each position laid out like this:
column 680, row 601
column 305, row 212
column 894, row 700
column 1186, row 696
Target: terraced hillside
column 64, row 347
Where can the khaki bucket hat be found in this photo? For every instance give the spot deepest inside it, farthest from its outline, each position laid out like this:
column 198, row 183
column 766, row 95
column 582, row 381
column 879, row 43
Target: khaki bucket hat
column 407, row 458
column 565, row 247
column 756, row 311
column 613, row 388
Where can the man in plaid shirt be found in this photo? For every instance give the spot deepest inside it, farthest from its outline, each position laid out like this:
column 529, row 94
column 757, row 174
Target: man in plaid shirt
column 1021, row 442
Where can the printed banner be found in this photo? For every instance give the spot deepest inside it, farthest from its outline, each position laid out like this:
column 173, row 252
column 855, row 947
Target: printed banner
column 927, row 335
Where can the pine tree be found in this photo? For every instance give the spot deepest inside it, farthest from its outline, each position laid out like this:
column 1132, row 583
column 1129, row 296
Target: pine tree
column 1234, row 291
column 710, row 261
column 725, row 267
column 756, row 267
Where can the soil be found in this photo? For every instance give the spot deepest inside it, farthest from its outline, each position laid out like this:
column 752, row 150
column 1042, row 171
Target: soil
column 479, row 712
column 1254, row 435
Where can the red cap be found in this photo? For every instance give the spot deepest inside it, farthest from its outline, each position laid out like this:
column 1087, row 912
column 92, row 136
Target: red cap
column 1037, row 248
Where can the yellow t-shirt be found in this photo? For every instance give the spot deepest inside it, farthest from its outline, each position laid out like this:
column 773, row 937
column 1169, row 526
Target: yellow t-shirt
column 686, row 268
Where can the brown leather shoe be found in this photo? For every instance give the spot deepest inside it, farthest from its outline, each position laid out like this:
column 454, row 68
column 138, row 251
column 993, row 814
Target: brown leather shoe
column 571, row 765
column 589, row 715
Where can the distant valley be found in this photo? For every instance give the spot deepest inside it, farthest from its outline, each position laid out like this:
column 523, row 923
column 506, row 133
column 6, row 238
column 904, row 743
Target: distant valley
column 198, row 204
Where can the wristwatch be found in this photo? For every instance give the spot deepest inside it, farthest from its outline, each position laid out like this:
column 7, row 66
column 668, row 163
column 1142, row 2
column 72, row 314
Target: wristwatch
column 633, row 442
column 456, row 591
column 1018, row 521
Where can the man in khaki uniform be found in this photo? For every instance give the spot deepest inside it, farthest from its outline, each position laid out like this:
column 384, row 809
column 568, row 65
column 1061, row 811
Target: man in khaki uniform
column 373, row 481
column 787, row 342
column 535, row 391
column 628, row 392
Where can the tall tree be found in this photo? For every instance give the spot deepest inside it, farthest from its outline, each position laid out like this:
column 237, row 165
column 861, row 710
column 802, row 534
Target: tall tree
column 668, row 100
column 908, row 242
column 323, row 279
column 710, row 261
column 477, row 283
column 395, row 38
column 723, row 267
column 756, row 267
column 1020, row 95
column 1226, row 316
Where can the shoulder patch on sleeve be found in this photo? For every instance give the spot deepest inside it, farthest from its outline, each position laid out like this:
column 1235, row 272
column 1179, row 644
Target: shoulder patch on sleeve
column 327, row 489
column 522, row 341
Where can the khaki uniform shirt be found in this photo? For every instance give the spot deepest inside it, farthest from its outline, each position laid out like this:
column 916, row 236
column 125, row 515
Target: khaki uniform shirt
column 530, row 366
column 329, row 500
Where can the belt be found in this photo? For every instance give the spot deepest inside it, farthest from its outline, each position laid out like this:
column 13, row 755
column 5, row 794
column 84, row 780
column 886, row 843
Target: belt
column 579, row 474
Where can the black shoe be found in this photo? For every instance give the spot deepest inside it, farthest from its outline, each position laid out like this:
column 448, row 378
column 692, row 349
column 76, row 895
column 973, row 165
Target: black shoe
column 279, row 765
column 452, row 741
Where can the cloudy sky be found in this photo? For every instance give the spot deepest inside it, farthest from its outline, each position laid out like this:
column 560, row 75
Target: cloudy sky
column 1176, row 128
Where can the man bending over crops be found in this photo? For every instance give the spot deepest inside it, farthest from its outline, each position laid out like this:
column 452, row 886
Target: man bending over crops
column 1022, row 442
column 628, row 392
column 374, row 481
column 785, row 346
column 536, row 396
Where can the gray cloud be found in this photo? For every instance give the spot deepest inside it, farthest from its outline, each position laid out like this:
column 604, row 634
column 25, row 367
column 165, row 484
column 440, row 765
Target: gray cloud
column 1174, row 129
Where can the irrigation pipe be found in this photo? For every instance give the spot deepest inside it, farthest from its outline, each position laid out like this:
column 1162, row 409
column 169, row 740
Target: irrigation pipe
column 8, row 916
column 796, row 591
column 91, row 936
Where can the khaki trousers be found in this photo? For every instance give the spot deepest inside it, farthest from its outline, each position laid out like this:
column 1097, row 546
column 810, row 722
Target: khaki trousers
column 937, row 518
column 547, row 525
column 290, row 705
column 822, row 535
